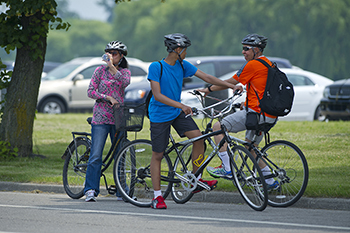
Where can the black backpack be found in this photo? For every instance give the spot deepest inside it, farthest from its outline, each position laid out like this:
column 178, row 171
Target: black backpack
column 279, row 93
column 150, row 94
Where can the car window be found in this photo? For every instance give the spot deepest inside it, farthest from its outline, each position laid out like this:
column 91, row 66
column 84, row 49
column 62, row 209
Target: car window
column 228, row 66
column 88, row 72
column 208, row 68
column 137, row 71
column 299, row 80
column 61, row 71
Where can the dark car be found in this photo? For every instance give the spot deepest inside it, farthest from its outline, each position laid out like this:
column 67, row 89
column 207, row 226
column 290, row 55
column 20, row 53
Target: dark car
column 214, row 65
column 335, row 104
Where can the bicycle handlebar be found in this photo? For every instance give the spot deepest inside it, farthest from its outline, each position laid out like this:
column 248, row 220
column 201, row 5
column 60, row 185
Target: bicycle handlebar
column 225, row 110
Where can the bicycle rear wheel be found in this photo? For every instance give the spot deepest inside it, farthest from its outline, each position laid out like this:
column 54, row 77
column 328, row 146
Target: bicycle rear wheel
column 180, row 191
column 132, row 173
column 248, row 178
column 74, row 168
column 291, row 171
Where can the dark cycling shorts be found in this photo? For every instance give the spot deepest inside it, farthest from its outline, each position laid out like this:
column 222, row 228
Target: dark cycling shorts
column 160, row 131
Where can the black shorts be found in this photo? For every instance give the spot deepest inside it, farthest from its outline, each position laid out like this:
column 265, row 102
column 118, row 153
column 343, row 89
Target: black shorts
column 160, row 131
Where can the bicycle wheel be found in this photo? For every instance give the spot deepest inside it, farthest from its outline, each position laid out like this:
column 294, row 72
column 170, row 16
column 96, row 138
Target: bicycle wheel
column 248, row 178
column 132, row 173
column 291, row 171
column 74, row 168
column 180, row 191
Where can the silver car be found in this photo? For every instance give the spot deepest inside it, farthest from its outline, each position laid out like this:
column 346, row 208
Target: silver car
column 65, row 88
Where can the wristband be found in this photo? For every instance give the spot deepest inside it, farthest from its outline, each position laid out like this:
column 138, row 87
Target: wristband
column 209, row 88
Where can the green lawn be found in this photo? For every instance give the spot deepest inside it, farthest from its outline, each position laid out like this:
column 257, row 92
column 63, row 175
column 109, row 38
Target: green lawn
column 325, row 145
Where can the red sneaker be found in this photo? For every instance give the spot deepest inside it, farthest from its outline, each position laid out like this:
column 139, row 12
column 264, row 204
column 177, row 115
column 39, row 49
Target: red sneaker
column 210, row 183
column 158, row 203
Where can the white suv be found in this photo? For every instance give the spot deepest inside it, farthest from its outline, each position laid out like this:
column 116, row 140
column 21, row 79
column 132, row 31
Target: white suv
column 65, row 87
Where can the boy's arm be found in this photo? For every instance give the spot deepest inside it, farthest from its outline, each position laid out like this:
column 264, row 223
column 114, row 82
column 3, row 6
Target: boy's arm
column 165, row 100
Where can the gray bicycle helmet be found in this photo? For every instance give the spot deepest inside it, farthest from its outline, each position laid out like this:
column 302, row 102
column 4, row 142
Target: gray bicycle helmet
column 255, row 40
column 175, row 40
column 117, row 45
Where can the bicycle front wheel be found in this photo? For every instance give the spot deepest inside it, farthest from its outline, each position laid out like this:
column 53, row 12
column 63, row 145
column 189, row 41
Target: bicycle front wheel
column 132, row 173
column 74, row 168
column 290, row 169
column 180, row 191
column 248, row 178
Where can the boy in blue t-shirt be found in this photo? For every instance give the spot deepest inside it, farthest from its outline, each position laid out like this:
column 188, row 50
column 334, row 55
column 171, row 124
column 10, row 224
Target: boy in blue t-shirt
column 165, row 108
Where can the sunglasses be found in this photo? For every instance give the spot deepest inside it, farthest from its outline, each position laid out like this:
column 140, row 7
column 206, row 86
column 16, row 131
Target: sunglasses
column 113, row 53
column 246, row 48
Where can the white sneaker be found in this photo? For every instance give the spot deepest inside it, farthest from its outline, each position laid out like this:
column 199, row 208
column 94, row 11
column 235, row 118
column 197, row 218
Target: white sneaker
column 90, row 196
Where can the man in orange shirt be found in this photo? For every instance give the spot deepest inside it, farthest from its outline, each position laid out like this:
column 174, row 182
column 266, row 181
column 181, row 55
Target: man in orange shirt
column 253, row 74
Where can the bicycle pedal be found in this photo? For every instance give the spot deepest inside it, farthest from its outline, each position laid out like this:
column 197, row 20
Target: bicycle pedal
column 112, row 189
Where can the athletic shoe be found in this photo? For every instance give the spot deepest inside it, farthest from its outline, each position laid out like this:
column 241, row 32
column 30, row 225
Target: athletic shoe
column 219, row 172
column 158, row 203
column 273, row 187
column 210, row 183
column 90, row 196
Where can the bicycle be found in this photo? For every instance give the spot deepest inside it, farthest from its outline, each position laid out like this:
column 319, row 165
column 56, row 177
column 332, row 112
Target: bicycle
column 288, row 166
column 286, row 162
column 133, row 178
column 78, row 151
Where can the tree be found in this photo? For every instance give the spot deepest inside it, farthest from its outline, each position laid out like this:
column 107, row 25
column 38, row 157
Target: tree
column 24, row 26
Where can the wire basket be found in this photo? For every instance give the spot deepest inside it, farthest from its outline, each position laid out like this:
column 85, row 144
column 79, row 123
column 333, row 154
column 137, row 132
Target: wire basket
column 129, row 118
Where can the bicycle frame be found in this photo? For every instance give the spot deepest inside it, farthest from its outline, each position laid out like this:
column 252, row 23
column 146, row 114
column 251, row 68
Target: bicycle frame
column 207, row 134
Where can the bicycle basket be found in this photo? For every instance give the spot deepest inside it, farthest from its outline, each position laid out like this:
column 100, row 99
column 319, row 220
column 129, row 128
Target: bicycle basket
column 129, row 118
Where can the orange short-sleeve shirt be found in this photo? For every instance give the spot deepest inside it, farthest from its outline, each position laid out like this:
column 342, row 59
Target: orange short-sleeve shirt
column 255, row 74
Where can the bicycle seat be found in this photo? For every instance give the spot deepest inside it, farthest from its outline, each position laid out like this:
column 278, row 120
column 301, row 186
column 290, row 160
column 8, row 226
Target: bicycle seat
column 89, row 119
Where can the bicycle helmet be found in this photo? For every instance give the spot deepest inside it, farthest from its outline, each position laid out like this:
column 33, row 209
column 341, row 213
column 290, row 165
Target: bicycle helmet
column 117, row 45
column 255, row 40
column 175, row 40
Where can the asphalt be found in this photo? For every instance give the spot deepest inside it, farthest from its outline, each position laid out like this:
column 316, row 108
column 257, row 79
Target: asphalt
column 213, row 196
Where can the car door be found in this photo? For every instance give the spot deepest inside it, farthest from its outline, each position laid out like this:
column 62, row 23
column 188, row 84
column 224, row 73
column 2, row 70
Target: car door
column 306, row 98
column 78, row 93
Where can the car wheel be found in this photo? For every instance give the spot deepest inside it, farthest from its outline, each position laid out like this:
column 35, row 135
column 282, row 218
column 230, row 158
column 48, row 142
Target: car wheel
column 318, row 116
column 52, row 106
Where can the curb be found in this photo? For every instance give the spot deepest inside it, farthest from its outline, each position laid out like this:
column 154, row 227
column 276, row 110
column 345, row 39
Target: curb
column 213, row 197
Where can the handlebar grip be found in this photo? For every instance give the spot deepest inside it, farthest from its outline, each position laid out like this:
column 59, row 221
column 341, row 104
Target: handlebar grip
column 236, row 92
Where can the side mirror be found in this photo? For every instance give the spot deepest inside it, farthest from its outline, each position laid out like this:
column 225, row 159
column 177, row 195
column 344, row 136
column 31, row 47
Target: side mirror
column 78, row 77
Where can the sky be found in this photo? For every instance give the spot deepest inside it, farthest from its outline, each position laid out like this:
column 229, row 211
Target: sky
column 88, row 9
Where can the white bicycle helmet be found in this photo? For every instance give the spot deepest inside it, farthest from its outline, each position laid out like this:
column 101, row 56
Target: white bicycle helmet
column 117, row 45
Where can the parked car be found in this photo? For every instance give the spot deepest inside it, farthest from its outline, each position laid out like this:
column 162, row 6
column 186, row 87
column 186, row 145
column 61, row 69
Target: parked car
column 65, row 87
column 335, row 104
column 308, row 88
column 214, row 65
column 48, row 66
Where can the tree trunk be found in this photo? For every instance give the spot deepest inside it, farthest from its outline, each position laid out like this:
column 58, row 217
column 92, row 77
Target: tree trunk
column 18, row 119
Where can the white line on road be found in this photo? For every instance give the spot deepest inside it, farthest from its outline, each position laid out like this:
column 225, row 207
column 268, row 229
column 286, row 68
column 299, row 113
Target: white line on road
column 180, row 217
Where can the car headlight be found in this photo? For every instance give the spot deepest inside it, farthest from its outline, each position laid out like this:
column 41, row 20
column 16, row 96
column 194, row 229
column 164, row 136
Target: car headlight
column 135, row 94
column 326, row 92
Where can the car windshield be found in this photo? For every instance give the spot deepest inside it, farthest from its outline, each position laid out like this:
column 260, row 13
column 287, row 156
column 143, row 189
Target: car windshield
column 61, row 71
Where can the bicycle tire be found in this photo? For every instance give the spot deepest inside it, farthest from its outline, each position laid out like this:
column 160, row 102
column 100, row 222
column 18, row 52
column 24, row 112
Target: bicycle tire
column 248, row 178
column 179, row 194
column 293, row 172
column 132, row 173
column 74, row 168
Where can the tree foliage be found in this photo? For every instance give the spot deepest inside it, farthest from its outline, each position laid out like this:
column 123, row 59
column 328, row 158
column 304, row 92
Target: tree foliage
column 312, row 34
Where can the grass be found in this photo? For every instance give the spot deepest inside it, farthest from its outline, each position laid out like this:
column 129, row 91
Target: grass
column 325, row 145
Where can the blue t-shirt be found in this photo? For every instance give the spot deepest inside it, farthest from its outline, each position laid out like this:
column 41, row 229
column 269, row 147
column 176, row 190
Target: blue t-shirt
column 170, row 86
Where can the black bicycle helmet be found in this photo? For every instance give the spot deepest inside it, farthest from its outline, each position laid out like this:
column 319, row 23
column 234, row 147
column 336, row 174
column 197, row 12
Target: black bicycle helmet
column 255, row 40
column 117, row 45
column 175, row 40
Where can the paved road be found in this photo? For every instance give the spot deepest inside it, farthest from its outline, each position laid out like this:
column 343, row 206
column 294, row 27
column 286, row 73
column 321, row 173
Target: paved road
column 211, row 197
column 45, row 212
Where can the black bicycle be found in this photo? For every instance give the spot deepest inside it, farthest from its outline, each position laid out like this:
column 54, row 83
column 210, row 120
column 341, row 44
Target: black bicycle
column 77, row 154
column 133, row 176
